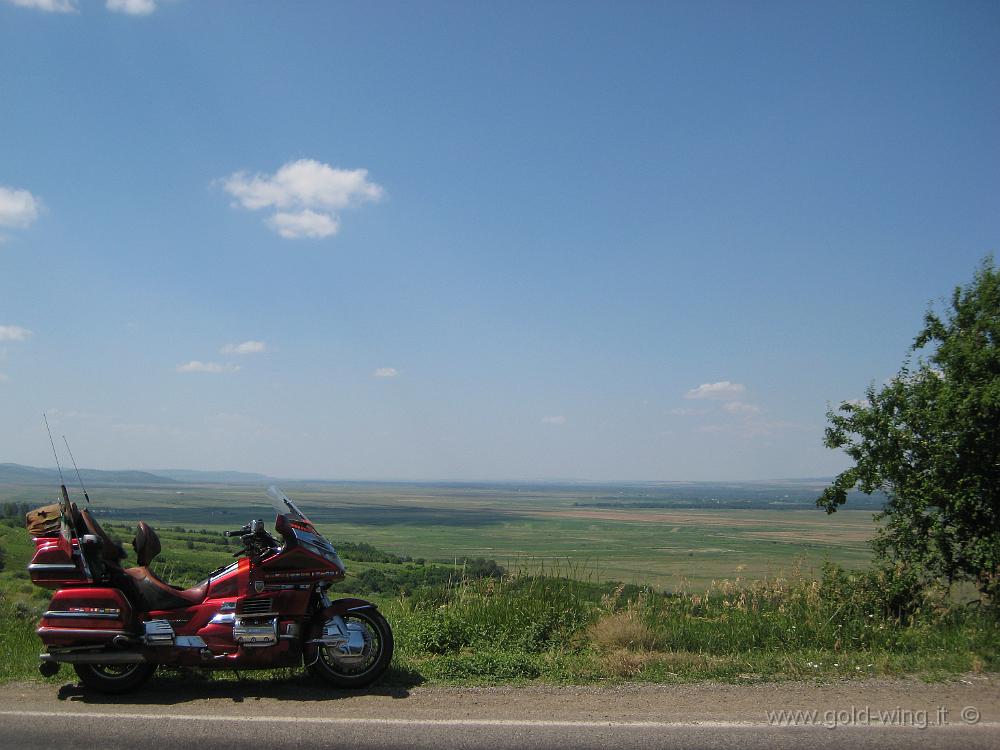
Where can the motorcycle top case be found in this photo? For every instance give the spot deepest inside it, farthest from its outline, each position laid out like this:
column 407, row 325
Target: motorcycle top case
column 85, row 616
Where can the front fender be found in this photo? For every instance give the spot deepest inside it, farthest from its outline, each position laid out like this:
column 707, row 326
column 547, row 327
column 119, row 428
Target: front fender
column 345, row 605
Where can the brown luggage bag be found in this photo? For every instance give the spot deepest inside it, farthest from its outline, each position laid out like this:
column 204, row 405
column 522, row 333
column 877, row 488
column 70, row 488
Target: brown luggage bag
column 43, row 521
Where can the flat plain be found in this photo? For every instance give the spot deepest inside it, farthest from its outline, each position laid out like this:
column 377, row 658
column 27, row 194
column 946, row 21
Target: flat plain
column 595, row 532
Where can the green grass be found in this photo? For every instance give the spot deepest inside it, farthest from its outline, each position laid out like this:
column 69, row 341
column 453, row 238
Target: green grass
column 559, row 629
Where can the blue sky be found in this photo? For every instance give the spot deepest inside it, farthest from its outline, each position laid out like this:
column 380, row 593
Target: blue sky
column 467, row 240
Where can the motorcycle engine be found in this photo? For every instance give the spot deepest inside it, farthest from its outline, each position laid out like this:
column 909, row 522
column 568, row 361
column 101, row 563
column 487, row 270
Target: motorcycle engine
column 254, row 632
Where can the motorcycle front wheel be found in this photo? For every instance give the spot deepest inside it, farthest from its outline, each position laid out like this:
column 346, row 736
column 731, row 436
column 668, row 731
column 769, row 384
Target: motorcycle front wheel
column 355, row 671
column 114, row 678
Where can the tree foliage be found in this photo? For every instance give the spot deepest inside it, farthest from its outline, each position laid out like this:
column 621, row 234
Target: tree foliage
column 930, row 439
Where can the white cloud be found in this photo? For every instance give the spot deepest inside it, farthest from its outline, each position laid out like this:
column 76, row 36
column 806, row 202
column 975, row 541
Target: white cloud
column 738, row 407
column 724, row 389
column 132, row 7
column 385, row 372
column 554, row 420
column 308, row 223
column 14, row 333
column 18, row 207
column 306, row 183
column 304, row 195
column 213, row 367
column 247, row 347
column 50, row 6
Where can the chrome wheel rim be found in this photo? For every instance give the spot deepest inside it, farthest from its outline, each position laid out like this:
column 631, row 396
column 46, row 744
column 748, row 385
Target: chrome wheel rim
column 353, row 666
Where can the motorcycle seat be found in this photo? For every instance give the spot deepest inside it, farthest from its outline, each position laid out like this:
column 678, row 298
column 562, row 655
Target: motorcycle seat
column 152, row 592
column 156, row 594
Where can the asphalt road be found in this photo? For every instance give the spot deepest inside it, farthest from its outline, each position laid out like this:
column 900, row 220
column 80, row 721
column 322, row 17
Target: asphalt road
column 186, row 731
column 296, row 714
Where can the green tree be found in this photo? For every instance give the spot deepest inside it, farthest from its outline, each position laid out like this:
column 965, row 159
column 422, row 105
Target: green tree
column 930, row 439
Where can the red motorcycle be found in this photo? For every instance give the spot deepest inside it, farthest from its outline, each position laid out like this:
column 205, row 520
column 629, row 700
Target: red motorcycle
column 269, row 609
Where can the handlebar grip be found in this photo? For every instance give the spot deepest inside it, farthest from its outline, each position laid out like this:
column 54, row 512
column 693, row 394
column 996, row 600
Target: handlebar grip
column 241, row 532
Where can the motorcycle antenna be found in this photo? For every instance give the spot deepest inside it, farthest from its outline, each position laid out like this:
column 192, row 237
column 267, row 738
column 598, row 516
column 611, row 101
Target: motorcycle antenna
column 77, row 468
column 62, row 482
column 67, row 515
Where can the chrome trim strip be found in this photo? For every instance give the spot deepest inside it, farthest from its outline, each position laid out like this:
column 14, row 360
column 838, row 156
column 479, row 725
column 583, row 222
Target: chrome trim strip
column 45, row 630
column 83, row 615
column 216, row 575
column 52, row 568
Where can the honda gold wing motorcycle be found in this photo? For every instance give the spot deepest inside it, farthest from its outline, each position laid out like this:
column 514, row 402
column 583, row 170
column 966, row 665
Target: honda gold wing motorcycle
column 268, row 609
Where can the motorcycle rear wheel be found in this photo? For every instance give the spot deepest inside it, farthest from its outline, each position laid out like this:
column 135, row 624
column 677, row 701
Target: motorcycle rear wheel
column 114, row 678
column 352, row 673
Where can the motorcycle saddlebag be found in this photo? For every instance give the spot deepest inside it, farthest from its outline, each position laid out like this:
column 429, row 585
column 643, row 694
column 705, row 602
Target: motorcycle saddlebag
column 85, row 616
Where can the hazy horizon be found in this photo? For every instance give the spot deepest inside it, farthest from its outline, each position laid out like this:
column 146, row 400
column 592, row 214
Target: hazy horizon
column 70, row 477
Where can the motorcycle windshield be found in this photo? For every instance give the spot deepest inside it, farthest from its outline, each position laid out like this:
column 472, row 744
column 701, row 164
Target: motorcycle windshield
column 286, row 507
column 304, row 530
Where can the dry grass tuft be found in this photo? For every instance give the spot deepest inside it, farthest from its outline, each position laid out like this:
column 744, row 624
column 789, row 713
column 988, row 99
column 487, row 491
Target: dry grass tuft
column 623, row 630
column 626, row 664
column 625, row 627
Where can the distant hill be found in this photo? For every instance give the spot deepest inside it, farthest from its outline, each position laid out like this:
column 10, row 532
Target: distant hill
column 191, row 476
column 32, row 475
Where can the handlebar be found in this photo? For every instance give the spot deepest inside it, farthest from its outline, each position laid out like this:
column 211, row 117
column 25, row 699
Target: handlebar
column 254, row 537
column 254, row 527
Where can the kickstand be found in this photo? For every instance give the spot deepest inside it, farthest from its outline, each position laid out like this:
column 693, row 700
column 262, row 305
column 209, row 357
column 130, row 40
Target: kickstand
column 238, row 677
